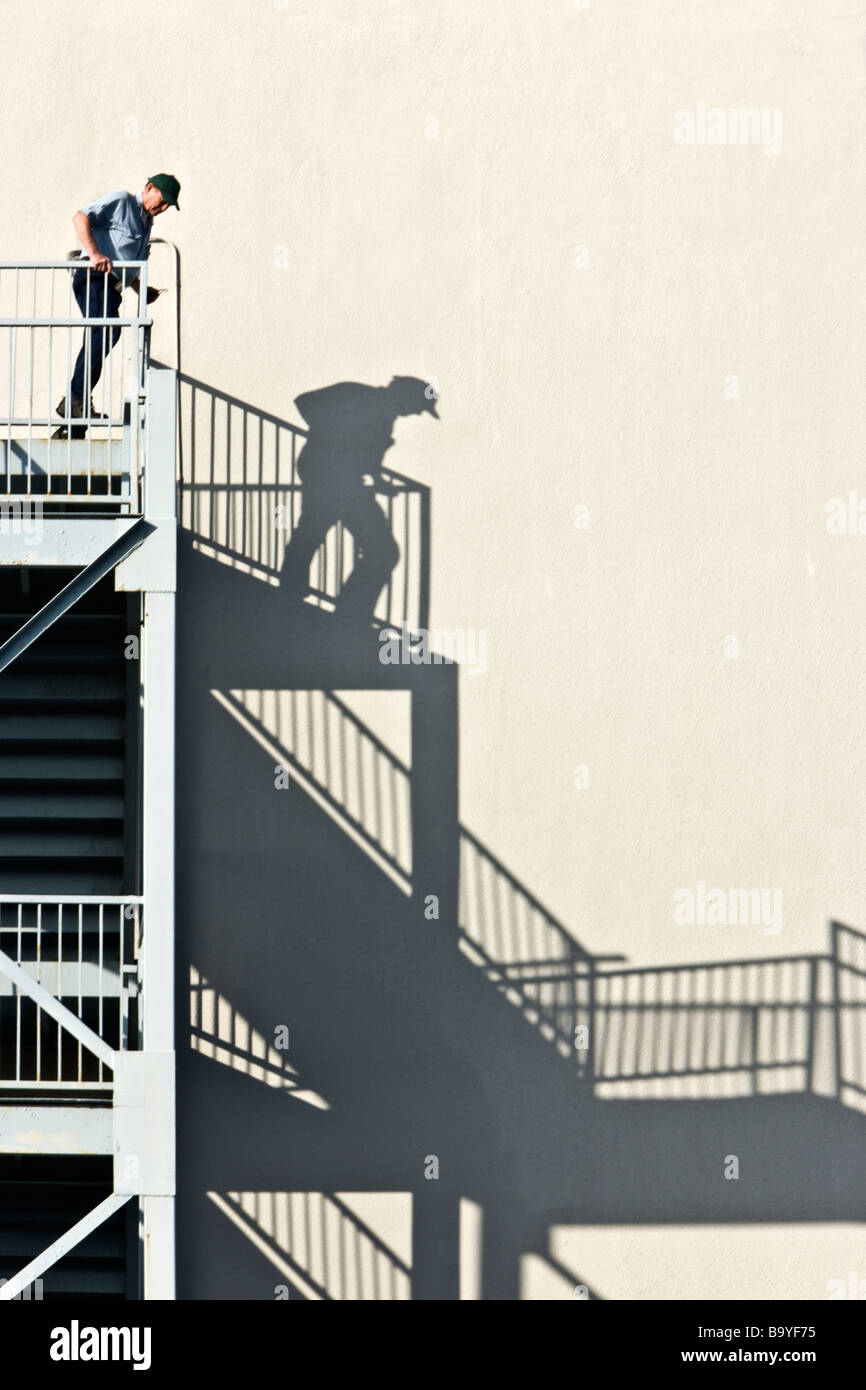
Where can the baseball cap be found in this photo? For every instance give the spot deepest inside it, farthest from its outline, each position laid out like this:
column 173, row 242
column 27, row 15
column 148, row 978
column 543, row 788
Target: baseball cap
column 168, row 187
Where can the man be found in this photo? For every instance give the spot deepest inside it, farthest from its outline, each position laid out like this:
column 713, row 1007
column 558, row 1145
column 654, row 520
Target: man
column 340, row 468
column 114, row 228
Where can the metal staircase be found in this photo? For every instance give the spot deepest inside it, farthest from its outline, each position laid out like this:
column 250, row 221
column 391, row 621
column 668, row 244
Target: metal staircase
column 67, row 721
column 40, row 1198
column 87, row 592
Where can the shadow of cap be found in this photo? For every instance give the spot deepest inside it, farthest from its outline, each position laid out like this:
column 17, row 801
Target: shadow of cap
column 414, row 395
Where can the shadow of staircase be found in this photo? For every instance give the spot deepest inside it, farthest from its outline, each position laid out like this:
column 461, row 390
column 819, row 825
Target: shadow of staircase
column 551, row 1085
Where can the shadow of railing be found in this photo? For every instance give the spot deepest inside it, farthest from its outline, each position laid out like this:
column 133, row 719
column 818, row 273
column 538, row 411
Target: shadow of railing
column 356, row 779
column 319, row 1245
column 241, row 499
column 340, row 763
column 526, row 952
column 737, row 1027
column 726, row 1028
column 849, row 1009
column 218, row 1030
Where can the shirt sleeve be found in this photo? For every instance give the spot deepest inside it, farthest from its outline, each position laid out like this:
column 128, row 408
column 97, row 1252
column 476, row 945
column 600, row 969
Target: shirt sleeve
column 103, row 212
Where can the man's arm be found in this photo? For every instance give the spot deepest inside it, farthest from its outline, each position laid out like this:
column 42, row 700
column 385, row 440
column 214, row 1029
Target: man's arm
column 81, row 223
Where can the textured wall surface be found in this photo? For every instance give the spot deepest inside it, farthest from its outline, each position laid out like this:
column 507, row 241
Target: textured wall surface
column 643, row 314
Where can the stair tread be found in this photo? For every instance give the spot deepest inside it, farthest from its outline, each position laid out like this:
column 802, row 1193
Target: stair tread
column 54, row 844
column 61, row 765
column 56, row 879
column 42, row 726
column 74, row 804
column 32, row 693
column 63, row 729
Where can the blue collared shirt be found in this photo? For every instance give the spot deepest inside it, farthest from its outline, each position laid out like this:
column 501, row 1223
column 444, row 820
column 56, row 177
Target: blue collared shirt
column 120, row 226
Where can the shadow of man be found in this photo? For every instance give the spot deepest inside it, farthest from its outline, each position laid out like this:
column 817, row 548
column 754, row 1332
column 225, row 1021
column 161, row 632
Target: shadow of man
column 340, row 468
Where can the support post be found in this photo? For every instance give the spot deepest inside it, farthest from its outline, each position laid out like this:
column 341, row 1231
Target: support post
column 435, row 801
column 158, row 680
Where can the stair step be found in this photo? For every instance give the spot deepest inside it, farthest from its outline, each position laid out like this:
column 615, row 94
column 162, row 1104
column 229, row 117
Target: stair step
column 61, row 765
column 70, row 654
column 51, row 879
column 46, row 726
column 61, row 687
column 80, row 622
column 63, row 1282
column 42, row 1195
column 52, row 842
column 19, row 1242
column 75, row 803
column 63, row 725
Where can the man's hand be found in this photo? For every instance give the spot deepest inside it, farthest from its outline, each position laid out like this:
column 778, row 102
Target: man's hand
column 81, row 223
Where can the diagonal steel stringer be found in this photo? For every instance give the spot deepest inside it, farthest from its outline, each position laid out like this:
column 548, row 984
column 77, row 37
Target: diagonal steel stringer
column 55, row 608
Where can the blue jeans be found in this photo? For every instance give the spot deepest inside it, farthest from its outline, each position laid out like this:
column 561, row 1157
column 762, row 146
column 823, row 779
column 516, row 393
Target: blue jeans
column 97, row 298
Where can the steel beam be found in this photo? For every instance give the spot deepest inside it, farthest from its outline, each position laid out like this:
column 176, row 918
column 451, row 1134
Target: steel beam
column 62, row 1246
column 60, row 458
column 76, row 589
column 55, row 1129
column 36, row 539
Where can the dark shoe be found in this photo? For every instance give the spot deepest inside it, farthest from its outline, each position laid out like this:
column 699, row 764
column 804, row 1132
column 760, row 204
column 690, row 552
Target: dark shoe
column 76, row 412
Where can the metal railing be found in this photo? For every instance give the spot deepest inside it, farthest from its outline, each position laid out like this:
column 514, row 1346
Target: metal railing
column 84, row 952
column 42, row 332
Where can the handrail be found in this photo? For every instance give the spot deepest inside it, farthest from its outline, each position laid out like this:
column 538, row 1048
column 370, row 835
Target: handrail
column 64, row 264
column 72, row 899
column 163, row 241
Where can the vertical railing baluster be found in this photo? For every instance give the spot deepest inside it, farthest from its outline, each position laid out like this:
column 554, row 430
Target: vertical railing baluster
column 99, row 983
column 591, row 1013
column 13, row 359
column 18, row 999
column 123, row 1000
column 59, row 988
column 30, row 391
column 48, row 412
column 80, row 991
